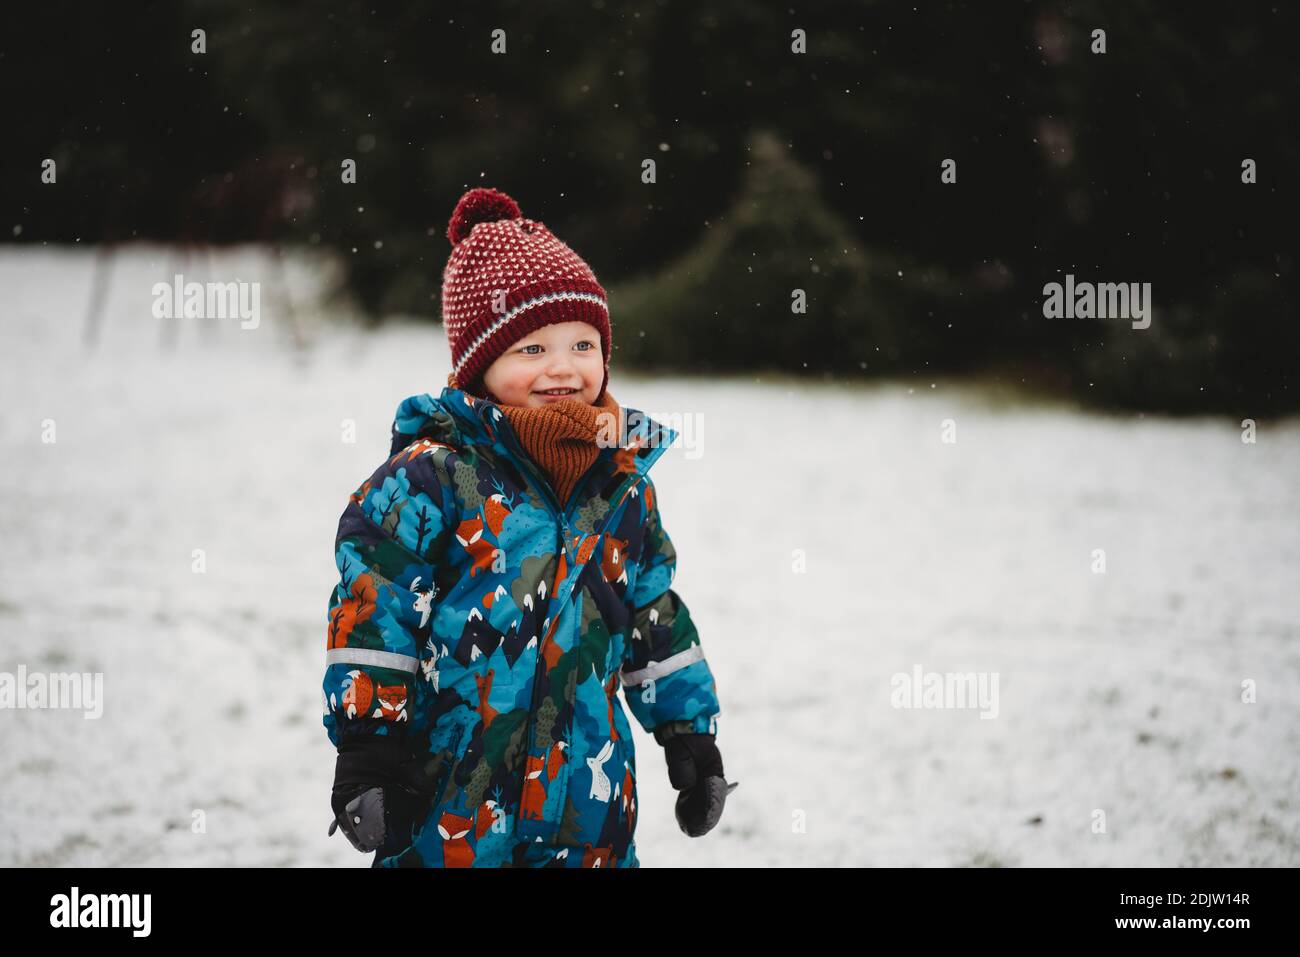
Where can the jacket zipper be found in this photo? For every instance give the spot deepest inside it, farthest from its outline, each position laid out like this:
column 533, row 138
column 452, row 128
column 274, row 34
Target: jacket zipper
column 564, row 514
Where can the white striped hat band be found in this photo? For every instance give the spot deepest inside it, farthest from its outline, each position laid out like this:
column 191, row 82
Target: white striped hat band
column 523, row 307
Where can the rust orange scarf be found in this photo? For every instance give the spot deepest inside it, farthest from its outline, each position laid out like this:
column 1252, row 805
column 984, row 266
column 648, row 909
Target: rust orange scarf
column 562, row 436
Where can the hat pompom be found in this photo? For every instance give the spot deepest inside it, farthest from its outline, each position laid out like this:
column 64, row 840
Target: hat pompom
column 480, row 205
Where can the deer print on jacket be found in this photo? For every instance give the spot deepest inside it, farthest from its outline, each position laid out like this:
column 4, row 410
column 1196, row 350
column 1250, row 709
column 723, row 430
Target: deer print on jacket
column 423, row 600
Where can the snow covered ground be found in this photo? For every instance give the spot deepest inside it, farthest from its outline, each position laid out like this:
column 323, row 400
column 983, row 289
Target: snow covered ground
column 1119, row 694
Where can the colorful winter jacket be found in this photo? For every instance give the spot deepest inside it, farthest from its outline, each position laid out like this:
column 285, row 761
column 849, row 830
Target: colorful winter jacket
column 492, row 629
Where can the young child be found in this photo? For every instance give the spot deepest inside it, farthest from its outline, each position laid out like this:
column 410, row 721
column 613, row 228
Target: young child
column 501, row 575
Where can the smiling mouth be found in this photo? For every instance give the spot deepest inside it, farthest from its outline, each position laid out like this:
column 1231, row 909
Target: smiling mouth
column 557, row 392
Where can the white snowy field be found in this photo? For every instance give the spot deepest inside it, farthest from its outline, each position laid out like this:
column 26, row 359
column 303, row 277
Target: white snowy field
column 1120, row 736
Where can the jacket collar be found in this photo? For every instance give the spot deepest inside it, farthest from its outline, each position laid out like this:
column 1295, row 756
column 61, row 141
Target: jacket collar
column 459, row 419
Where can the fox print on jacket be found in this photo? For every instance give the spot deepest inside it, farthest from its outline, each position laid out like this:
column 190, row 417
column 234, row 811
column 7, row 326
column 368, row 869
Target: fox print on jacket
column 490, row 629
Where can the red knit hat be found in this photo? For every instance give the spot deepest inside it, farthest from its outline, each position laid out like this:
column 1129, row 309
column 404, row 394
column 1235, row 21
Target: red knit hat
column 534, row 279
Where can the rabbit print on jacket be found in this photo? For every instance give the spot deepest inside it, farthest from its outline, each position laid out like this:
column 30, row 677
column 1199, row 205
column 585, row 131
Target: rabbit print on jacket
column 490, row 629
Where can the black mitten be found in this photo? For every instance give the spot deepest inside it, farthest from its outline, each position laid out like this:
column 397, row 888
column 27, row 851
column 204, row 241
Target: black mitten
column 377, row 800
column 694, row 769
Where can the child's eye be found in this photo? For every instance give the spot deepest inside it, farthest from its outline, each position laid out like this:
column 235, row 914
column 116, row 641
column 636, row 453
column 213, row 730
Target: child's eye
column 533, row 345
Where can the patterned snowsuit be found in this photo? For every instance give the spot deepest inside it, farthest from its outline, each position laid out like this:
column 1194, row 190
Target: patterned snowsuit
column 491, row 630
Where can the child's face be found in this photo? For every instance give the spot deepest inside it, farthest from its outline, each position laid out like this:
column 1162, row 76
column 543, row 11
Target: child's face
column 563, row 355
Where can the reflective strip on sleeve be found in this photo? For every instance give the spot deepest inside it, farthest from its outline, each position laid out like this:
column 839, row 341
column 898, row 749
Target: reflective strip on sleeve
column 373, row 657
column 657, row 669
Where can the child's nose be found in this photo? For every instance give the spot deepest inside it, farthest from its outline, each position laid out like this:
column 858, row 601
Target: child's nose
column 559, row 366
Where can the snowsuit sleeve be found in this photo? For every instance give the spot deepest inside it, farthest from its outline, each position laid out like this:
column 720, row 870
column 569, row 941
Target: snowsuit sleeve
column 380, row 614
column 665, row 676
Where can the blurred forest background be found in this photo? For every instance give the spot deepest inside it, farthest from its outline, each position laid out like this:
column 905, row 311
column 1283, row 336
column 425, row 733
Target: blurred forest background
column 776, row 170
